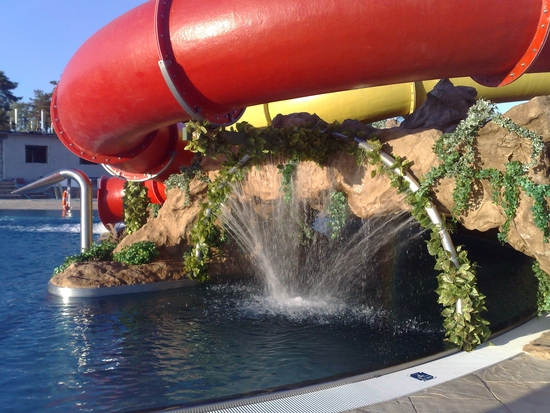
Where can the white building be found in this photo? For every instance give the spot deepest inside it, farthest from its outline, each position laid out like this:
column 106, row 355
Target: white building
column 26, row 157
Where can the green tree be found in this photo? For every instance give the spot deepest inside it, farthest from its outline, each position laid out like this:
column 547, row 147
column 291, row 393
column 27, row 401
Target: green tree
column 30, row 114
column 23, row 116
column 39, row 109
column 6, row 99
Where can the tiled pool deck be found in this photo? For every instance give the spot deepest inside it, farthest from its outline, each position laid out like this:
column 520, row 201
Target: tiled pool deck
column 517, row 385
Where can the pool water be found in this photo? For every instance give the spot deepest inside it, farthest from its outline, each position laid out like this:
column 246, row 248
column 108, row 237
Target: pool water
column 186, row 346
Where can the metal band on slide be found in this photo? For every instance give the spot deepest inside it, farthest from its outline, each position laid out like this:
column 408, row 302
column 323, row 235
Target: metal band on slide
column 533, row 51
column 180, row 86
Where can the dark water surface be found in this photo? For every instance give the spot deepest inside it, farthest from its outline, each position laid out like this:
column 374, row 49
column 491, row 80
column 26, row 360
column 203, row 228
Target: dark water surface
column 184, row 346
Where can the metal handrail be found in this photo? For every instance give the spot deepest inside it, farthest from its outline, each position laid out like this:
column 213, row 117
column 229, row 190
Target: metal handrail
column 85, row 198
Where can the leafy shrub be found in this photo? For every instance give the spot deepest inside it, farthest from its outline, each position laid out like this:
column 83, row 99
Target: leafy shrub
column 135, row 254
column 138, row 253
column 102, row 251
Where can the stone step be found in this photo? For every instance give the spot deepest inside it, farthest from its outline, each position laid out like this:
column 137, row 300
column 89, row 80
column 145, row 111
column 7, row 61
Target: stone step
column 6, row 189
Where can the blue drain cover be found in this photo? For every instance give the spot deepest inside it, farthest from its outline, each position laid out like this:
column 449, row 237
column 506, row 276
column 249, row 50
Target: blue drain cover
column 422, row 376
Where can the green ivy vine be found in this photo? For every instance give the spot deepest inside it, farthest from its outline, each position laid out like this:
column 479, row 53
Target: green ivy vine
column 184, row 178
column 463, row 323
column 457, row 289
column 136, row 205
column 543, row 293
column 456, row 152
column 206, row 235
column 337, row 213
column 287, row 171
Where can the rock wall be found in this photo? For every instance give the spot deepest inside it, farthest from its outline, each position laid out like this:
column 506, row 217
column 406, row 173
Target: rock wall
column 369, row 196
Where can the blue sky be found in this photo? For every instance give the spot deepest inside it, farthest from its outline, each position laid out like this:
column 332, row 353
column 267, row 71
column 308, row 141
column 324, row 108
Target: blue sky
column 504, row 107
column 38, row 37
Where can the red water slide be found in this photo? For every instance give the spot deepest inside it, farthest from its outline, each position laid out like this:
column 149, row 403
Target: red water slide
column 167, row 61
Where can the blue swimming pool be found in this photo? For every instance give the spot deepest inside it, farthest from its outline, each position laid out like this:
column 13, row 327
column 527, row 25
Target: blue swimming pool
column 185, row 346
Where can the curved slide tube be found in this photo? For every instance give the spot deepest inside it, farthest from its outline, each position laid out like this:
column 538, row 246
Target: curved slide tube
column 125, row 90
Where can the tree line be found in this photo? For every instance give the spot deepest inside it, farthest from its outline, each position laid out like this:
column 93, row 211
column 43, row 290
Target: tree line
column 15, row 115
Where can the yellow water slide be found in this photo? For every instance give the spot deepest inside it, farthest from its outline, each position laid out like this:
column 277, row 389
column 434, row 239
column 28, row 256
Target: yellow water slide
column 383, row 102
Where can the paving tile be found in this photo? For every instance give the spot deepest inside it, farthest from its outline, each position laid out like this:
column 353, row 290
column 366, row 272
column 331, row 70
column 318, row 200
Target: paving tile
column 540, row 347
column 523, row 368
column 459, row 406
column 465, row 388
column 495, row 374
column 466, row 394
column 522, row 398
column 518, row 385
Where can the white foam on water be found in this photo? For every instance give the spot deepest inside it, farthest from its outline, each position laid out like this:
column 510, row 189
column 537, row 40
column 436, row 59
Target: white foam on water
column 239, row 300
column 244, row 300
column 99, row 228
column 73, row 228
column 66, row 228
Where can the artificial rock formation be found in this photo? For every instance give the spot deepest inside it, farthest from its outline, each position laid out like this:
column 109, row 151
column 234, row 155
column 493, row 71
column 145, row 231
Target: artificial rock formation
column 367, row 196
column 446, row 105
column 116, row 274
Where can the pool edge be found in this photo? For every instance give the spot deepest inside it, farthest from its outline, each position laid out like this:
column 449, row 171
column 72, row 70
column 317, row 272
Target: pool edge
column 382, row 385
column 67, row 292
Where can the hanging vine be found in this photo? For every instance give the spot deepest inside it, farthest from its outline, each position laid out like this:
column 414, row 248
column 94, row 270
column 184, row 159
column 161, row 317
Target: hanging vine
column 337, row 213
column 456, row 151
column 136, row 203
column 457, row 289
column 543, row 293
column 287, row 171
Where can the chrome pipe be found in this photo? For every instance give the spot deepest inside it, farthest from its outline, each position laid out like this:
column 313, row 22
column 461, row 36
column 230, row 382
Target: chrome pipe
column 431, row 210
column 85, row 198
